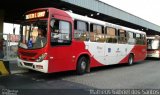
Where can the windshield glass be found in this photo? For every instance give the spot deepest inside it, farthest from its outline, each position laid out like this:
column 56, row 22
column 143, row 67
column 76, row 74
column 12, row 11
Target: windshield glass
column 33, row 34
column 153, row 44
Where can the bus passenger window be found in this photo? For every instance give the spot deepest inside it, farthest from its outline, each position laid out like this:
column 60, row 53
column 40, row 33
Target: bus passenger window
column 81, row 31
column 131, row 39
column 111, row 35
column 60, row 32
column 97, row 33
column 138, row 39
column 122, row 36
column 143, row 42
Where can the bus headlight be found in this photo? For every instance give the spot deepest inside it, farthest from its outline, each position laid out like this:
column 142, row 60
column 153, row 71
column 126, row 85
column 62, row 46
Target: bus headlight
column 41, row 57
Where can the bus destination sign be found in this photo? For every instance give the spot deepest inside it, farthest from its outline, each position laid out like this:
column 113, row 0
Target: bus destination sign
column 34, row 15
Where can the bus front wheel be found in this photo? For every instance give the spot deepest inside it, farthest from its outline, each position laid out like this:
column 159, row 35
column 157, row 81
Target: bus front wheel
column 82, row 65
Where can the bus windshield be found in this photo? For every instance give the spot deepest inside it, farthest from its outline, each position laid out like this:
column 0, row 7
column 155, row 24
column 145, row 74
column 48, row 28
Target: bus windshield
column 153, row 44
column 33, row 34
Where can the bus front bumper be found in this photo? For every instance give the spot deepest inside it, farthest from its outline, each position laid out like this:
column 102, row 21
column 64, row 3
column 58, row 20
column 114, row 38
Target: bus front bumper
column 37, row 66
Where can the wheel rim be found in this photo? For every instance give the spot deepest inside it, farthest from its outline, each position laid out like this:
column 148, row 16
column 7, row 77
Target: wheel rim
column 83, row 65
column 130, row 60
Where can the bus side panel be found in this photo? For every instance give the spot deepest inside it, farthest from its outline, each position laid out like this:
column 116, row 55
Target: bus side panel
column 60, row 59
column 139, row 53
column 65, row 57
column 108, row 53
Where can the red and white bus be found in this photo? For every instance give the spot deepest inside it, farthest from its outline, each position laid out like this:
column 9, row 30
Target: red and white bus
column 75, row 42
column 153, row 46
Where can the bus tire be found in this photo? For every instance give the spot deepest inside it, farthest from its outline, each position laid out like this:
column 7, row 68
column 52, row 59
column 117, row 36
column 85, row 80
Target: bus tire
column 130, row 59
column 82, row 65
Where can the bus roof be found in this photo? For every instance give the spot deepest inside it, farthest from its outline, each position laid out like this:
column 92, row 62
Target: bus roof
column 153, row 37
column 90, row 20
column 95, row 21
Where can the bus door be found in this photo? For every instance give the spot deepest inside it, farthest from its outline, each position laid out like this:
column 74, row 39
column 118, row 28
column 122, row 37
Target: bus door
column 97, row 42
column 112, row 49
column 122, row 43
column 60, row 49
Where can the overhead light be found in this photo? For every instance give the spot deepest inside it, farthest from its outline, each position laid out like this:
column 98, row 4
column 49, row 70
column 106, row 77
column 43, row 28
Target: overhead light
column 91, row 14
column 98, row 13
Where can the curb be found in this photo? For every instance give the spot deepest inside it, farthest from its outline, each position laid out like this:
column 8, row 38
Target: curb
column 19, row 71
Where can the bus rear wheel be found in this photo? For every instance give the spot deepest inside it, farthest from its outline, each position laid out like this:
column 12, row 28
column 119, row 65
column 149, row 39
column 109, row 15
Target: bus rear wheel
column 82, row 65
column 130, row 59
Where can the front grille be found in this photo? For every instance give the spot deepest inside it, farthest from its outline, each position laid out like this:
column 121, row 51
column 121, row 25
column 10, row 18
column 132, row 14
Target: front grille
column 28, row 64
column 28, row 54
column 28, row 59
column 24, row 59
column 150, row 51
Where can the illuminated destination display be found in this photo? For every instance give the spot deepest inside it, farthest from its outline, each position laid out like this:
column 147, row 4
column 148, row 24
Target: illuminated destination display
column 36, row 15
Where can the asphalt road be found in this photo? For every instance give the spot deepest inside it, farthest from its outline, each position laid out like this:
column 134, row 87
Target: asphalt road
column 141, row 75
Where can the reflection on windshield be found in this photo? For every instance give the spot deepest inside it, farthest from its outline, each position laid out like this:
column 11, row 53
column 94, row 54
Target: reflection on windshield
column 33, row 35
column 153, row 44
